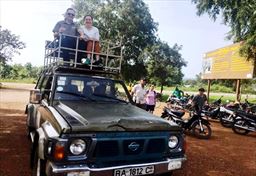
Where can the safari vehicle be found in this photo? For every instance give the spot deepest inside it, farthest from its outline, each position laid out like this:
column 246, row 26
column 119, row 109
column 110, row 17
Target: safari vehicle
column 82, row 122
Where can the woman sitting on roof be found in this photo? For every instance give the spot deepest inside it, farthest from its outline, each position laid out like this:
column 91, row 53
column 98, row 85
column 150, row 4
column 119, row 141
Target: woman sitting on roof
column 91, row 35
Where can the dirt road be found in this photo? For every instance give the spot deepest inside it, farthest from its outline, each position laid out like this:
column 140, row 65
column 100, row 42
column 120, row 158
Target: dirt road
column 225, row 154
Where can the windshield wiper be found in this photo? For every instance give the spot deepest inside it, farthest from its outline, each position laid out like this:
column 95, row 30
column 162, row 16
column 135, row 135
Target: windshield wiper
column 112, row 98
column 81, row 96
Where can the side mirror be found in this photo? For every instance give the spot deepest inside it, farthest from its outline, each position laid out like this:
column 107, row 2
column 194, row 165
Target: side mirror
column 35, row 96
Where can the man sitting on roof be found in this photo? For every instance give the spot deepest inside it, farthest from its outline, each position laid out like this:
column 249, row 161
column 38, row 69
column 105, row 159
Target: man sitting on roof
column 70, row 28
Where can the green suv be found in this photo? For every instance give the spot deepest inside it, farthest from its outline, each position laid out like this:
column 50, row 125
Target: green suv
column 84, row 123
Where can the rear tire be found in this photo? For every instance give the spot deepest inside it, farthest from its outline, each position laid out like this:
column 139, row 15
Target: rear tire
column 202, row 134
column 241, row 131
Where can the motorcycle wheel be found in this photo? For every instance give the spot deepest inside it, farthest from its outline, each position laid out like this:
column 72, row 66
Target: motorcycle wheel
column 240, row 122
column 224, row 122
column 202, row 134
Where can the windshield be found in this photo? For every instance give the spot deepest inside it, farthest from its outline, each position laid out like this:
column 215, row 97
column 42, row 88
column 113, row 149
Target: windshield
column 90, row 89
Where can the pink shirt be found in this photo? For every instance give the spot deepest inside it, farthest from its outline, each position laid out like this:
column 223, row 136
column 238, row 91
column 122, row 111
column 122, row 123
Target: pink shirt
column 150, row 97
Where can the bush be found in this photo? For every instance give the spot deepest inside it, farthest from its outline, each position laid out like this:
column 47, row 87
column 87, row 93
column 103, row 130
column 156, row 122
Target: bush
column 164, row 97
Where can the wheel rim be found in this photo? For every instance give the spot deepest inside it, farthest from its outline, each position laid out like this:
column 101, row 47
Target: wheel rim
column 201, row 132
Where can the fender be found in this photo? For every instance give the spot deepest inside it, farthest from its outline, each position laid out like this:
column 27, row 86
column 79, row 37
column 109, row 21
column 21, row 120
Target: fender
column 44, row 132
column 41, row 140
column 205, row 121
column 223, row 109
column 202, row 120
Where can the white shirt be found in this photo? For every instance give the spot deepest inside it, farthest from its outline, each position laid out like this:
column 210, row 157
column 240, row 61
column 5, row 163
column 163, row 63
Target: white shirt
column 139, row 94
column 91, row 33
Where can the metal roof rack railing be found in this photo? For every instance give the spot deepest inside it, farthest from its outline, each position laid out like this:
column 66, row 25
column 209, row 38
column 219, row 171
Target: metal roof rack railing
column 110, row 54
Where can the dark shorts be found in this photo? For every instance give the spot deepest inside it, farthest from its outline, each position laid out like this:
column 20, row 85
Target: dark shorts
column 70, row 42
column 150, row 107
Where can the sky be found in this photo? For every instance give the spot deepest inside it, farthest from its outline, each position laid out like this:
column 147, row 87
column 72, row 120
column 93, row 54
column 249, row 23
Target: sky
column 33, row 21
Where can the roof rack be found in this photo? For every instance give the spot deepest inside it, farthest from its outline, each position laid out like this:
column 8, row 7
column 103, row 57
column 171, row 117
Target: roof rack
column 110, row 54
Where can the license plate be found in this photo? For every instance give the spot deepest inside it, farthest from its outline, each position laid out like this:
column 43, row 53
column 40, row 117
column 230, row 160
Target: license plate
column 134, row 171
column 174, row 165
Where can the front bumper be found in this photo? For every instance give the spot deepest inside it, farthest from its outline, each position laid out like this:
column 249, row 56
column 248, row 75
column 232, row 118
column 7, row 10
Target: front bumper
column 84, row 170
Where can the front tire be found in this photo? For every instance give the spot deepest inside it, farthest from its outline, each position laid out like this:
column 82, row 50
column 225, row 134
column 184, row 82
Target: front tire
column 38, row 168
column 241, row 131
column 204, row 133
column 167, row 174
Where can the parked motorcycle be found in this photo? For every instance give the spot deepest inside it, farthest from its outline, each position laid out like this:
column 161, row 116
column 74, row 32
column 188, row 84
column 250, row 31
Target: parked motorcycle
column 199, row 126
column 213, row 110
column 227, row 116
column 228, row 112
column 182, row 103
column 245, row 123
column 250, row 107
column 213, row 114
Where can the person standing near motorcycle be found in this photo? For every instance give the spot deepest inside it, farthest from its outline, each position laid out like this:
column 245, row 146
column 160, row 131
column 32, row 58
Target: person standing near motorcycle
column 199, row 100
column 138, row 92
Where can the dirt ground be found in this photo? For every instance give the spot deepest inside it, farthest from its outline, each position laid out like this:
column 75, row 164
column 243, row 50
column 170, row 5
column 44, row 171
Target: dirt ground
column 225, row 154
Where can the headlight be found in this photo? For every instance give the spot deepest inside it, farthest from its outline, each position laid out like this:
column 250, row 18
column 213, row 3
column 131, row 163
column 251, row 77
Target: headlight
column 173, row 142
column 77, row 147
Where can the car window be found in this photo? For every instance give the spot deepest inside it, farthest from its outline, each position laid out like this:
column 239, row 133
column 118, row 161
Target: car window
column 97, row 89
column 46, row 87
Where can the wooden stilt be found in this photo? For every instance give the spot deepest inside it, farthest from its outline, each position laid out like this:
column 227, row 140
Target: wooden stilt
column 238, row 93
column 208, row 90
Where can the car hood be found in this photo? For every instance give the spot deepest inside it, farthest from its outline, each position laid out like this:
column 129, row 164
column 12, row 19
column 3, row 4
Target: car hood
column 92, row 116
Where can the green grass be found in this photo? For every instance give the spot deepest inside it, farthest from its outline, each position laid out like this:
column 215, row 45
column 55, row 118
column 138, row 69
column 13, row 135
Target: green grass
column 164, row 97
column 214, row 88
column 230, row 99
column 224, row 99
column 27, row 80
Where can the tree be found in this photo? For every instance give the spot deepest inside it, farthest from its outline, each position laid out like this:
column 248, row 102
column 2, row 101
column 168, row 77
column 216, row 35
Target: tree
column 128, row 20
column 240, row 15
column 164, row 64
column 5, row 70
column 18, row 71
column 10, row 44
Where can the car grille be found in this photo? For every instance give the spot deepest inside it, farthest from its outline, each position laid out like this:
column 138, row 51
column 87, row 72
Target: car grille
column 128, row 150
column 106, row 149
column 156, row 146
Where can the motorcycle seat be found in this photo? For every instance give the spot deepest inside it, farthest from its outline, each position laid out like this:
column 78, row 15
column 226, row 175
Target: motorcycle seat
column 244, row 114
